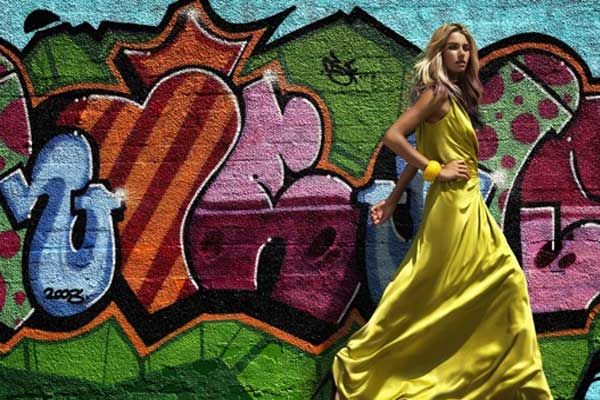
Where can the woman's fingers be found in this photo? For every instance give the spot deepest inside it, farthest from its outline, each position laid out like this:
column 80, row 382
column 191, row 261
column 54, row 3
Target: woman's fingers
column 462, row 174
column 462, row 170
column 375, row 214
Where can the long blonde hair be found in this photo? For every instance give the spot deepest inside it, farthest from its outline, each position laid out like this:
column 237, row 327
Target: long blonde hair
column 429, row 71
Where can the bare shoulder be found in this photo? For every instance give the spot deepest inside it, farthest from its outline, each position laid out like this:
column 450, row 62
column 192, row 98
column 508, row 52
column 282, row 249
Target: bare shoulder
column 433, row 97
column 432, row 102
column 428, row 106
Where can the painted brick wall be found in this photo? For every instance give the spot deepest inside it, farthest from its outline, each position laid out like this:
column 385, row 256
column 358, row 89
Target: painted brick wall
column 185, row 187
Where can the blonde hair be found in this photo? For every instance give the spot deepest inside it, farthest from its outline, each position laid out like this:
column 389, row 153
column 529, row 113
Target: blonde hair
column 429, row 71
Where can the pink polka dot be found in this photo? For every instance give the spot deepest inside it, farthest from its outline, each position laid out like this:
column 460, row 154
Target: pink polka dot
column 2, row 163
column 499, row 115
column 502, row 199
column 488, row 142
column 20, row 297
column 547, row 109
column 518, row 100
column 493, row 90
column 10, row 244
column 508, row 161
column 525, row 128
column 2, row 292
column 567, row 98
column 516, row 76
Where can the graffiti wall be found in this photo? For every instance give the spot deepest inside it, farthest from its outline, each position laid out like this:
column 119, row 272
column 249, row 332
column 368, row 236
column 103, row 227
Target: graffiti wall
column 184, row 197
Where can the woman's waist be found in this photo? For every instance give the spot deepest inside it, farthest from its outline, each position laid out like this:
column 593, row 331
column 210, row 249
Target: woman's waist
column 460, row 183
column 470, row 161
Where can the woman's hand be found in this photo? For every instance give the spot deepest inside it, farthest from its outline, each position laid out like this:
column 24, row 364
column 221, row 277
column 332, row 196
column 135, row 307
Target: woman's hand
column 454, row 170
column 382, row 211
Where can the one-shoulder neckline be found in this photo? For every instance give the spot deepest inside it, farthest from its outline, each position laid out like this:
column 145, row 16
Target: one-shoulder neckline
column 445, row 115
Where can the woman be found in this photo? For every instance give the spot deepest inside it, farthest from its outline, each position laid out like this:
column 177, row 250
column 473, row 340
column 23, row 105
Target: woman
column 455, row 321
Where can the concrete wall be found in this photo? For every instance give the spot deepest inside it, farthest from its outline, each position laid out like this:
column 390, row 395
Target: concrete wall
column 185, row 187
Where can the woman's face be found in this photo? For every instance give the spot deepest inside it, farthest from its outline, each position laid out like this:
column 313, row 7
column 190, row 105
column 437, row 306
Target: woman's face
column 456, row 54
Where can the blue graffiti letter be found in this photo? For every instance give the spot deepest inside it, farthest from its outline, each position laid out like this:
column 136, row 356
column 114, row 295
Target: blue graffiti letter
column 65, row 280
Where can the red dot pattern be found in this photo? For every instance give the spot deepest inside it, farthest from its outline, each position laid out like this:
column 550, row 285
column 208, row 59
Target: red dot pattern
column 508, row 161
column 547, row 109
column 19, row 297
column 518, row 100
column 493, row 90
column 10, row 244
column 516, row 76
column 525, row 128
column 488, row 142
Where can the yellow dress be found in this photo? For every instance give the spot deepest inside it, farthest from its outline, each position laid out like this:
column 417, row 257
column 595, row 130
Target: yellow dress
column 455, row 321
